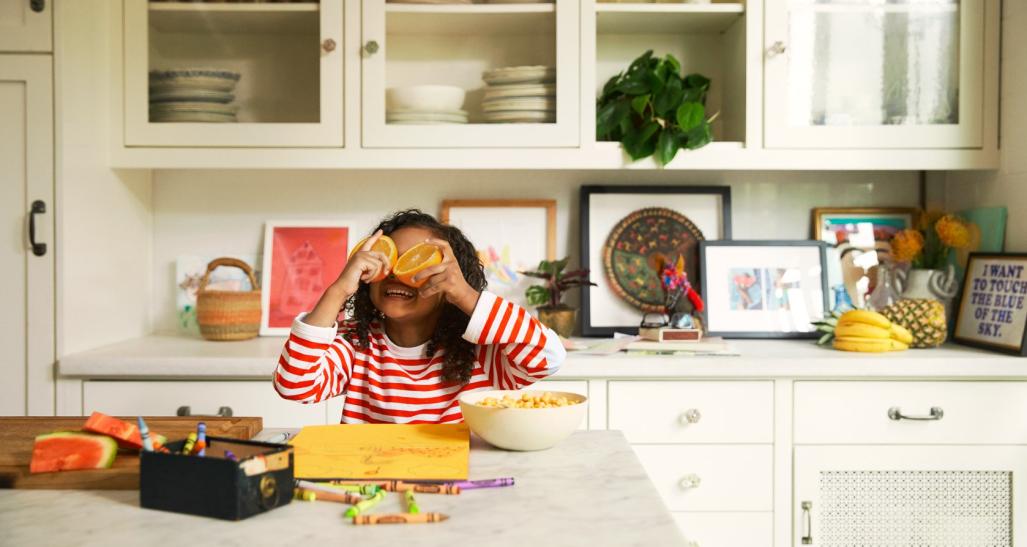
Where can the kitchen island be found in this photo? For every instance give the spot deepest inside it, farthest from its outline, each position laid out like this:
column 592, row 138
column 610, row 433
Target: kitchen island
column 588, row 490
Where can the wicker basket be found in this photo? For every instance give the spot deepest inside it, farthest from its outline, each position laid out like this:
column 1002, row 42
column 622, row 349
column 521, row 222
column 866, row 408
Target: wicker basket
column 228, row 315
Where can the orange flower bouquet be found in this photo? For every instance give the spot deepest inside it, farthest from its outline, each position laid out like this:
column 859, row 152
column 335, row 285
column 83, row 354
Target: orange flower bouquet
column 928, row 246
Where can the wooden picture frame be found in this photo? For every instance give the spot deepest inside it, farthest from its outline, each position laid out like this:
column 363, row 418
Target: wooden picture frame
column 867, row 213
column 979, row 300
column 510, row 235
column 769, row 306
column 602, row 206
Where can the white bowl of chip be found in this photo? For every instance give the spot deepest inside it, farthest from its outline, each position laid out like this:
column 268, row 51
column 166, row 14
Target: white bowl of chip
column 523, row 428
column 432, row 98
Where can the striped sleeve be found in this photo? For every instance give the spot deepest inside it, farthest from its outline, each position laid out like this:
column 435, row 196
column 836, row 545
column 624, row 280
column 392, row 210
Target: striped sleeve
column 316, row 363
column 516, row 350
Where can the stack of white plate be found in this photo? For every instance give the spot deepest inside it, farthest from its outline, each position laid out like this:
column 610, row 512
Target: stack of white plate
column 425, row 105
column 520, row 94
column 425, row 117
column 193, row 95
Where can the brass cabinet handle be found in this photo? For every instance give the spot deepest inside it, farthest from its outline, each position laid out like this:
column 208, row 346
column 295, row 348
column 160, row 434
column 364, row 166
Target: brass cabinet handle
column 807, row 513
column 372, row 47
column 328, row 45
column 895, row 413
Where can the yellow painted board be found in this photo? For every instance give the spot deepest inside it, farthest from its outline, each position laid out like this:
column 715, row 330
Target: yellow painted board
column 382, row 451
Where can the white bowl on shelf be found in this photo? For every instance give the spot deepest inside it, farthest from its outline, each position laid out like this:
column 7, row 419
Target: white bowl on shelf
column 522, row 428
column 425, row 98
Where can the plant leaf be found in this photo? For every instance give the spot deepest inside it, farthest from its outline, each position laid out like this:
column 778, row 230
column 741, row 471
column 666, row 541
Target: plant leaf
column 667, row 145
column 690, row 115
column 669, row 98
column 674, row 64
column 633, row 87
column 559, row 265
column 610, row 117
column 537, row 295
column 698, row 137
column 639, row 103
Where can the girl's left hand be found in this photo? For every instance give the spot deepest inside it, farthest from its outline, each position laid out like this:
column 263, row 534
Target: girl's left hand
column 447, row 278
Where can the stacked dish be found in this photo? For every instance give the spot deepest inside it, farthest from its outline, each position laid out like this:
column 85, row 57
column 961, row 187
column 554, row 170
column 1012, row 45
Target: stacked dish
column 193, row 95
column 425, row 105
column 520, row 94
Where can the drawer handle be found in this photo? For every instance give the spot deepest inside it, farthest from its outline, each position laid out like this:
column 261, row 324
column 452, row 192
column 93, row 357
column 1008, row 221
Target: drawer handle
column 807, row 515
column 690, row 481
column 691, row 416
column 895, row 413
column 223, row 412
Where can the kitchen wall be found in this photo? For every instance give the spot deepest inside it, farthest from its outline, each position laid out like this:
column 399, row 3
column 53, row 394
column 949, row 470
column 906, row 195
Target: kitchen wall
column 1008, row 185
column 211, row 213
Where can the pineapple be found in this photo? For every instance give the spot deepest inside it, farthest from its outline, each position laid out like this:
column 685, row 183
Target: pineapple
column 923, row 317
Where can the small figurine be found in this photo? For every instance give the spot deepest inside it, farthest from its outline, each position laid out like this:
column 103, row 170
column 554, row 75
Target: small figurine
column 674, row 280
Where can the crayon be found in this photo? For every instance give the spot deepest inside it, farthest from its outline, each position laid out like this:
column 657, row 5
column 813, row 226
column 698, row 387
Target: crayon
column 231, row 456
column 399, row 518
column 365, row 504
column 201, row 439
column 412, row 507
column 305, row 495
column 190, row 441
column 342, row 497
column 144, row 432
column 485, row 483
column 401, row 486
column 365, row 489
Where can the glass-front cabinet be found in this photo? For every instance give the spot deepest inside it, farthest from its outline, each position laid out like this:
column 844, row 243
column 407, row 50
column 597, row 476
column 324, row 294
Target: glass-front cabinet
column 874, row 73
column 501, row 73
column 247, row 74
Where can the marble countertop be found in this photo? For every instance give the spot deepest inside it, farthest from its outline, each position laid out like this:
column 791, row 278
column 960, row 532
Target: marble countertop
column 589, row 490
column 179, row 357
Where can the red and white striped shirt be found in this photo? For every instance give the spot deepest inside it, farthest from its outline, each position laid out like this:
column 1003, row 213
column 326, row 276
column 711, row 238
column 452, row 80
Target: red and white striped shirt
column 387, row 383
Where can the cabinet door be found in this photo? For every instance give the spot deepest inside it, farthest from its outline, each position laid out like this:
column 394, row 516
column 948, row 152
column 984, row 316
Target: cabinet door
column 938, row 495
column 27, row 275
column 869, row 74
column 26, row 25
column 453, row 45
column 286, row 56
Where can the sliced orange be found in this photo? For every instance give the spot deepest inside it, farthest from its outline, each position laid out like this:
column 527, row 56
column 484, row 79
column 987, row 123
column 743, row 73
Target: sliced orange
column 384, row 245
column 417, row 258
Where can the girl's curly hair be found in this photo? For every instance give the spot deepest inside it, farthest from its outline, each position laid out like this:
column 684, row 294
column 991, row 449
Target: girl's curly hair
column 458, row 360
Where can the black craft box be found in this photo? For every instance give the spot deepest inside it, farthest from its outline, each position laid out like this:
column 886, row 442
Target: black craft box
column 214, row 486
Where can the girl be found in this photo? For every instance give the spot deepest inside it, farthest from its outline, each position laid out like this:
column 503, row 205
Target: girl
column 406, row 354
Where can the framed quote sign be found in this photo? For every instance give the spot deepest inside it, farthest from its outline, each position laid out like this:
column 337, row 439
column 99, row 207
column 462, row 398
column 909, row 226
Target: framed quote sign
column 993, row 309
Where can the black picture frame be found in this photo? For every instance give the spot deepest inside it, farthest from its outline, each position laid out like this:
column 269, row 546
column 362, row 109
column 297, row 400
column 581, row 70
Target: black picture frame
column 586, row 191
column 705, row 245
column 1021, row 351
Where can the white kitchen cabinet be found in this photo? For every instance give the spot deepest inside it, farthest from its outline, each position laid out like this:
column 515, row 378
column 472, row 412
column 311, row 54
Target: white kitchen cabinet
column 289, row 56
column 711, row 477
column 27, row 328
column 410, row 44
column 713, row 529
column 869, row 74
column 26, row 25
column 937, row 495
column 160, row 398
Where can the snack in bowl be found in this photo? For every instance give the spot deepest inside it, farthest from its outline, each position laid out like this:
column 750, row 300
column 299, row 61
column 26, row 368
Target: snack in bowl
column 523, row 420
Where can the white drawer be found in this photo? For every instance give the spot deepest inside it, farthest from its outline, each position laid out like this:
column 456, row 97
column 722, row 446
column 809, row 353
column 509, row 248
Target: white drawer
column 858, row 412
column 730, row 478
column 246, row 398
column 721, row 412
column 709, row 529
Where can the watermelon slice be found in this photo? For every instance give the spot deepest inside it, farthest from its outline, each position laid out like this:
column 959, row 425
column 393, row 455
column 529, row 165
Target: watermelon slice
column 69, row 450
column 126, row 433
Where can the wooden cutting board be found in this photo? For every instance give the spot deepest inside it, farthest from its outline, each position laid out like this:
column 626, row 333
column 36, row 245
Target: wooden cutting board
column 17, row 435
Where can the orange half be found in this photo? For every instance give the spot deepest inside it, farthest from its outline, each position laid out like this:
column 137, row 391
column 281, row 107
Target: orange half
column 417, row 258
column 384, row 245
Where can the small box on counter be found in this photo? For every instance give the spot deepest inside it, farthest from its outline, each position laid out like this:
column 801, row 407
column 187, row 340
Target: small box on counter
column 232, row 481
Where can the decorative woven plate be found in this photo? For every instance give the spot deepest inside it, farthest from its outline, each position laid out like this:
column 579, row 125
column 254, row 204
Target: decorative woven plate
column 632, row 254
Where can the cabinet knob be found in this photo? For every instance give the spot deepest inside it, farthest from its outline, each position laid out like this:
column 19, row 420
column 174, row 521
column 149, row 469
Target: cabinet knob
column 328, row 45
column 371, row 47
column 775, row 49
column 691, row 416
column 690, row 481
column 37, row 5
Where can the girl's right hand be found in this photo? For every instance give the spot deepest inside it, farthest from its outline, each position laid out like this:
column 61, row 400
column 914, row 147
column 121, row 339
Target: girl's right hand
column 363, row 266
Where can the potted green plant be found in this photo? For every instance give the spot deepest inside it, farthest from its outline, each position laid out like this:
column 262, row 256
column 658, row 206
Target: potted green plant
column 548, row 297
column 651, row 109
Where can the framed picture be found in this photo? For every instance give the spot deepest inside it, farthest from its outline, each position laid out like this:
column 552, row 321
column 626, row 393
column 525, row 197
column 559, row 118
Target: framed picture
column 510, row 235
column 301, row 259
column 858, row 237
column 993, row 309
column 763, row 289
column 616, row 221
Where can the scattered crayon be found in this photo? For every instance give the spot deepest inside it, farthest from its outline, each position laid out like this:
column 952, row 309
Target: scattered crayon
column 365, row 504
column 485, row 483
column 190, row 441
column 306, row 495
column 399, row 518
column 365, row 489
column 412, row 507
column 201, row 439
column 342, row 497
column 144, row 432
column 401, row 486
column 231, row 456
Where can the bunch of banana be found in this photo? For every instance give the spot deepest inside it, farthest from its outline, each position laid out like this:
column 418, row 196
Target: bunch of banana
column 864, row 330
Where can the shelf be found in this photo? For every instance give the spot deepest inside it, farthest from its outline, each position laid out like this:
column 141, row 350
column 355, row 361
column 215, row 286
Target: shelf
column 666, row 18
column 448, row 19
column 272, row 18
column 165, row 357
